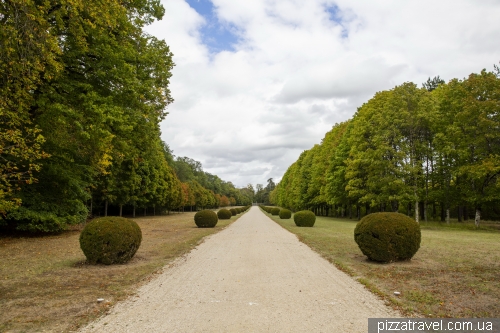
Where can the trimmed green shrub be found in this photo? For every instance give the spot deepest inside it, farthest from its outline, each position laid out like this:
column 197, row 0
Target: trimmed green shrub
column 285, row 214
column 233, row 211
column 224, row 214
column 275, row 211
column 387, row 237
column 238, row 210
column 206, row 219
column 304, row 218
column 110, row 240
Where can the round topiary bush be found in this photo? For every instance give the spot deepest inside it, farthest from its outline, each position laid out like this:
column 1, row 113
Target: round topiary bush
column 205, row 219
column 304, row 218
column 224, row 214
column 275, row 211
column 110, row 240
column 285, row 214
column 233, row 211
column 238, row 210
column 387, row 237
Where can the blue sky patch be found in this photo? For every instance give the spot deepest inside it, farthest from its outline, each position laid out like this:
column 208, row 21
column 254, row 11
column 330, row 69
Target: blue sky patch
column 335, row 15
column 216, row 35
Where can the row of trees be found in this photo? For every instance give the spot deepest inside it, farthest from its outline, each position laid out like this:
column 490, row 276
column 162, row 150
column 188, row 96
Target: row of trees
column 430, row 152
column 82, row 92
column 203, row 189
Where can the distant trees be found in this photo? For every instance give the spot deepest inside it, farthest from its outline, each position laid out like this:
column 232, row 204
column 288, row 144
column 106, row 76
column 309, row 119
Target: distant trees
column 209, row 190
column 429, row 152
column 262, row 194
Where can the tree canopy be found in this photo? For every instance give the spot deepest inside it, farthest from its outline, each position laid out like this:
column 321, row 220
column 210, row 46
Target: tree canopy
column 429, row 152
column 83, row 91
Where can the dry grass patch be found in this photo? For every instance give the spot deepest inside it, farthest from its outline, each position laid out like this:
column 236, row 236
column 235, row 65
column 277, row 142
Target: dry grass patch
column 456, row 272
column 45, row 283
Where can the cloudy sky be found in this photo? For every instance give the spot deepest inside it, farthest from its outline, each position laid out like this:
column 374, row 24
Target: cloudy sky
column 257, row 82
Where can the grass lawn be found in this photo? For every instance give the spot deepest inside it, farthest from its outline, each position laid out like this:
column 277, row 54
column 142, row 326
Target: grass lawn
column 456, row 272
column 45, row 284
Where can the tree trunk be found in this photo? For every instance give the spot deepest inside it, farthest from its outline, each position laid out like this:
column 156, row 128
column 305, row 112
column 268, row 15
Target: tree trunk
column 106, row 208
column 447, row 216
column 350, row 211
column 425, row 211
column 426, row 185
column 478, row 217
column 422, row 210
column 460, row 213
column 358, row 212
column 154, row 210
column 121, row 209
column 409, row 209
column 443, row 217
column 417, row 211
column 133, row 211
column 466, row 214
column 367, row 209
column 145, row 210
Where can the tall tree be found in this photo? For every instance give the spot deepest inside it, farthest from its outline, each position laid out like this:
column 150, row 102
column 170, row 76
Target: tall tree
column 476, row 143
column 433, row 83
column 28, row 58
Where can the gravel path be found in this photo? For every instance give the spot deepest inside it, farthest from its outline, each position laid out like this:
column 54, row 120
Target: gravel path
column 253, row 276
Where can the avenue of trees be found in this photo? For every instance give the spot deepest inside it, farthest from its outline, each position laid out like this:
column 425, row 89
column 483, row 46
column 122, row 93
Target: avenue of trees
column 82, row 92
column 430, row 152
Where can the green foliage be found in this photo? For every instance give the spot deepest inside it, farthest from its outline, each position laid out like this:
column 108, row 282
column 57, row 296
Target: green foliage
column 432, row 84
column 275, row 211
column 388, row 237
column 83, row 91
column 285, row 214
column 189, row 170
column 110, row 240
column 224, row 214
column 304, row 218
column 263, row 194
column 28, row 57
column 206, row 219
column 233, row 211
column 407, row 149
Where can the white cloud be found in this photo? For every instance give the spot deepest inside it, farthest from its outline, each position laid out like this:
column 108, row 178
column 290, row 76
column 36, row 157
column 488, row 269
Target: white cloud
column 247, row 114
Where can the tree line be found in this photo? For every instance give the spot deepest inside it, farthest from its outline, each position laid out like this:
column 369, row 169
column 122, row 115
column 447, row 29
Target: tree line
column 431, row 152
column 83, row 90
